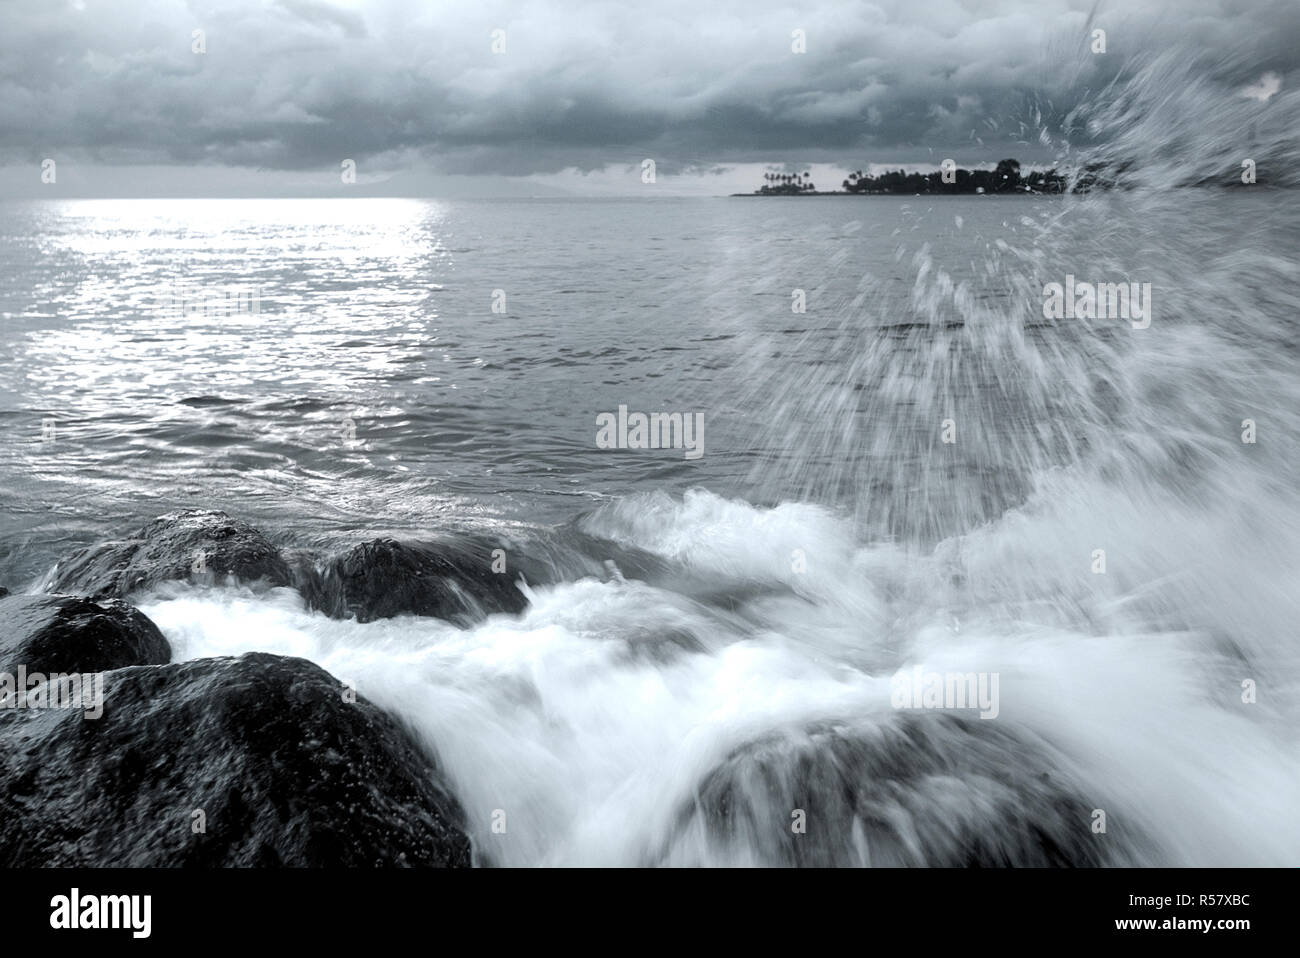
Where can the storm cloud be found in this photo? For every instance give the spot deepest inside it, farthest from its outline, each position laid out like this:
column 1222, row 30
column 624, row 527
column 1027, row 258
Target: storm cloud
column 301, row 84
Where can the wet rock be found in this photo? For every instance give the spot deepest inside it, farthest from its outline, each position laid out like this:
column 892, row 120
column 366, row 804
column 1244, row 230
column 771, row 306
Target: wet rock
column 383, row 578
column 911, row 789
column 198, row 545
column 64, row 633
column 257, row 761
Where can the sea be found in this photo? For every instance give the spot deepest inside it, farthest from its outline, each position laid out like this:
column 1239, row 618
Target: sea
column 903, row 466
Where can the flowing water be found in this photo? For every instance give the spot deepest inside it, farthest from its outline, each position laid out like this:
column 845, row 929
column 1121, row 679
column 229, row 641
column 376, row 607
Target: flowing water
column 828, row 537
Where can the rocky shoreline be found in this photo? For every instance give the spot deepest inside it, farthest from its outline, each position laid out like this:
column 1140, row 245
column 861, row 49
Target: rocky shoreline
column 270, row 761
column 261, row 760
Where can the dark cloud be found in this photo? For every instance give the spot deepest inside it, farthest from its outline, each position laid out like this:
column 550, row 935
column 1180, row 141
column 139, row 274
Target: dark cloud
column 303, row 84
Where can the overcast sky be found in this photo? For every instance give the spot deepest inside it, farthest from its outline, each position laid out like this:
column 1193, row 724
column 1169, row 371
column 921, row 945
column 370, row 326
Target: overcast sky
column 416, row 95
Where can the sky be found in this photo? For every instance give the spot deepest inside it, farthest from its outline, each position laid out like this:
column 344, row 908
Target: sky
column 553, row 97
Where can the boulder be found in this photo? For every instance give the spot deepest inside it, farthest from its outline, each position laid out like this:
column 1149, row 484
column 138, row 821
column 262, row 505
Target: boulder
column 198, row 545
column 64, row 633
column 258, row 761
column 383, row 578
column 911, row 789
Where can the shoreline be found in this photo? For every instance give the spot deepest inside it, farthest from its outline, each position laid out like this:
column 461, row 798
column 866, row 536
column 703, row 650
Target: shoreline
column 846, row 193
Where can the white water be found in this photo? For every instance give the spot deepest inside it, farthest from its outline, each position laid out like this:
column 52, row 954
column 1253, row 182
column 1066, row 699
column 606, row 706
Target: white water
column 590, row 733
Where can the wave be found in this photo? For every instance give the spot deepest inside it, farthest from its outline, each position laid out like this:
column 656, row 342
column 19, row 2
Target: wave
column 610, row 718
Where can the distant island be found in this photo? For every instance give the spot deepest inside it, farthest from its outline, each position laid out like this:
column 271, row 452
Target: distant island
column 1004, row 178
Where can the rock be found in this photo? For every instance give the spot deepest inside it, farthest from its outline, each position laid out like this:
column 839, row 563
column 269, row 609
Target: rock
column 283, row 770
column 64, row 633
column 383, row 578
column 910, row 789
column 197, row 545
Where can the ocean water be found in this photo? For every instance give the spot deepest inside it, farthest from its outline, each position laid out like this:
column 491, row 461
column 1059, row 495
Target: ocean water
column 827, row 538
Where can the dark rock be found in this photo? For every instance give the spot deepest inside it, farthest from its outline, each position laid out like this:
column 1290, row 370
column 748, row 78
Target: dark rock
column 912, row 789
column 197, row 545
column 384, row 578
column 64, row 633
column 284, row 770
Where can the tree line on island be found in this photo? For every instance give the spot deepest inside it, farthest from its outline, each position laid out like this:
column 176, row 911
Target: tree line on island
column 1004, row 178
